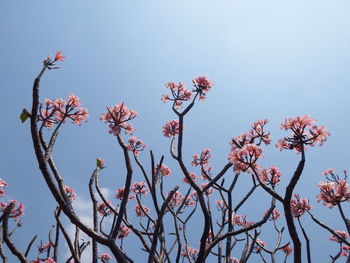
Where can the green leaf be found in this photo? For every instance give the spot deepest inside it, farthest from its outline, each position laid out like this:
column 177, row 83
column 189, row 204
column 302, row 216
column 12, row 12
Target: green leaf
column 24, row 116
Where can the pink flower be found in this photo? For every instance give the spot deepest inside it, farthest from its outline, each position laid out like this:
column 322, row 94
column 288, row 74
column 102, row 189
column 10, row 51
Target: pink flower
column 59, row 57
column 221, row 205
column 105, row 257
column 193, row 177
column 245, row 157
column 124, row 231
column 259, row 244
column 345, row 251
column 333, row 192
column 139, row 188
column 234, row 260
column 2, row 183
column 209, row 191
column 55, row 111
column 270, row 176
column 190, row 252
column 287, row 250
column 135, row 145
column 275, row 215
column 299, row 206
column 104, row 209
column 118, row 117
column 329, row 171
column 202, row 85
column 342, row 234
column 49, row 260
column 176, row 199
column 179, row 94
column 120, row 194
column 171, row 128
column 69, row 192
column 304, row 132
column 141, row 211
column 163, row 170
column 44, row 247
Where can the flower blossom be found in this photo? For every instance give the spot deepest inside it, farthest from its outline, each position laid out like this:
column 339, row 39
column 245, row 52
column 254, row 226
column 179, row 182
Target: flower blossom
column 2, row 190
column 270, row 176
column 193, row 177
column 234, row 260
column 135, row 145
column 17, row 210
column 57, row 111
column 100, row 163
column 179, row 94
column 190, row 252
column 287, row 250
column 141, row 211
column 104, row 209
column 299, row 206
column 259, row 245
column 105, row 257
column 44, row 247
column 171, row 128
column 274, row 215
column 139, row 188
column 120, row 194
column 49, row 62
column 340, row 233
column 304, row 132
column 123, row 232
column 69, row 193
column 176, row 199
column 118, row 117
column 202, row 85
column 245, row 157
column 345, row 251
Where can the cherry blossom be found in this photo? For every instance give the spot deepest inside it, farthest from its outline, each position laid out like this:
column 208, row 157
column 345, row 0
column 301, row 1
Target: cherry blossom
column 299, row 206
column 234, row 260
column 69, row 192
column 176, row 199
column 120, row 194
column 274, row 215
column 193, row 177
column 49, row 62
column 135, row 145
column 179, row 94
column 190, row 252
column 118, row 117
column 259, row 244
column 163, row 170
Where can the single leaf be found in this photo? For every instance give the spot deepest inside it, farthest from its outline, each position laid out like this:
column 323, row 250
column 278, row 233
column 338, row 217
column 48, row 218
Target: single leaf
column 24, row 116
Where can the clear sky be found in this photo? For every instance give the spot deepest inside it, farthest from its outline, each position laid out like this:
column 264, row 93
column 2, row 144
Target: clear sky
column 268, row 59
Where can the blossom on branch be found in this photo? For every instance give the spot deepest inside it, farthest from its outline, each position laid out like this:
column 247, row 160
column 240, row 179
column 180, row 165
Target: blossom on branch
column 245, row 157
column 135, row 145
column 299, row 206
column 118, row 117
column 340, row 233
column 171, row 128
column 202, row 85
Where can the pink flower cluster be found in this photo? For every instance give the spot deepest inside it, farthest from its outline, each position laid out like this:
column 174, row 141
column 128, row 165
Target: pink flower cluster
column 245, row 157
column 176, row 199
column 202, row 85
column 44, row 247
column 135, row 145
column 340, row 233
column 103, row 208
column 17, row 211
column 47, row 260
column 105, row 257
column 69, row 192
column 49, row 62
column 118, row 117
column 120, row 194
column 139, row 188
column 256, row 135
column 334, row 190
column 241, row 220
column 56, row 111
column 304, row 132
column 287, row 250
column 190, row 252
column 259, row 245
column 142, row 210
column 179, row 93
column 163, row 170
column 171, row 128
column 299, row 206
column 274, row 215
column 203, row 160
column 3, row 184
column 271, row 176
column 193, row 177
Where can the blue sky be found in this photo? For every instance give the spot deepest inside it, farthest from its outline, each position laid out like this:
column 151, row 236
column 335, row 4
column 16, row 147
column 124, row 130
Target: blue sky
column 268, row 59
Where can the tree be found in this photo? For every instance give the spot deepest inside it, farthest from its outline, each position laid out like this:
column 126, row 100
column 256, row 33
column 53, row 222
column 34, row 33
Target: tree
column 223, row 234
